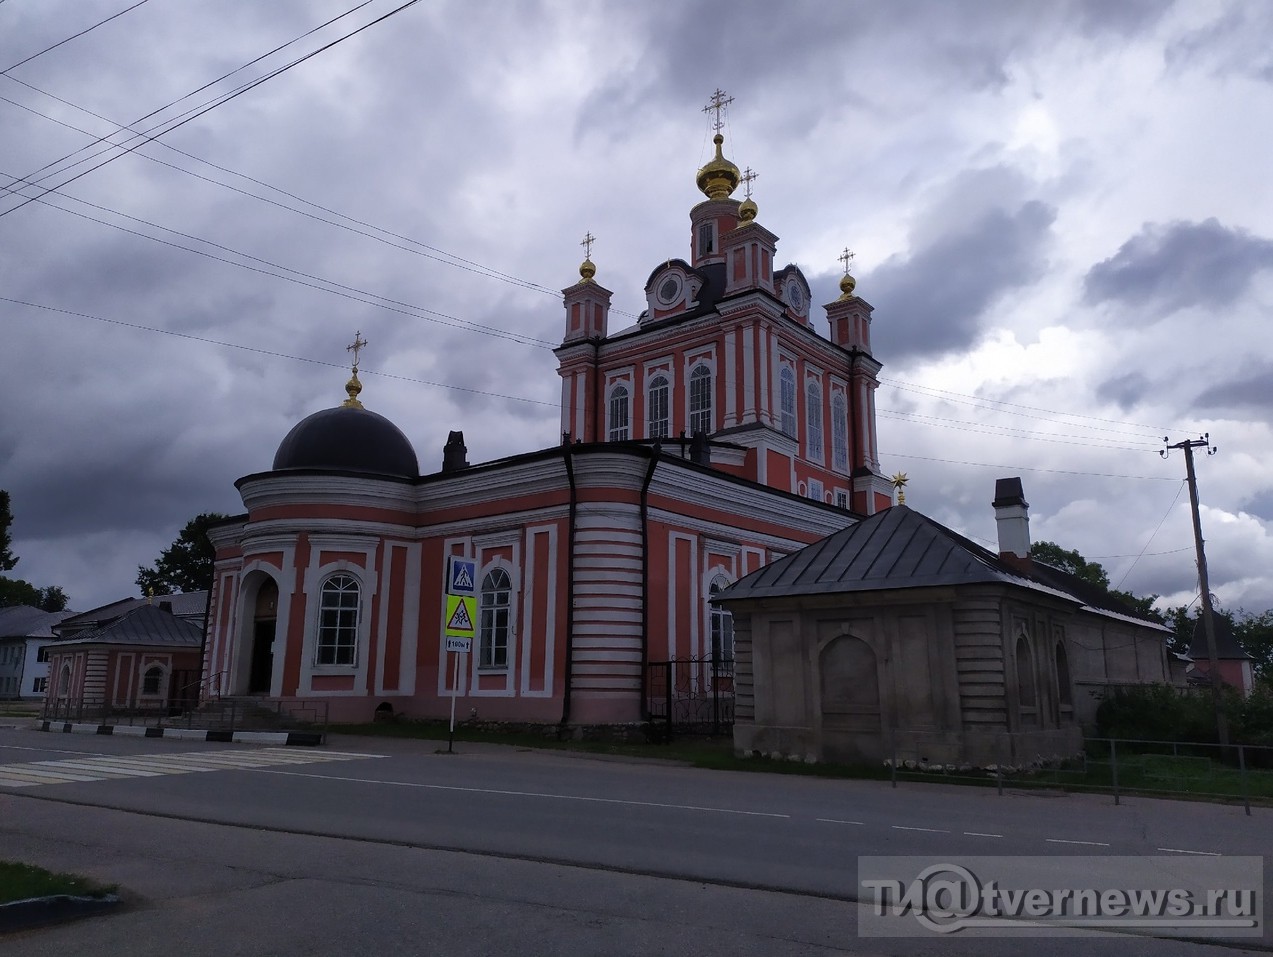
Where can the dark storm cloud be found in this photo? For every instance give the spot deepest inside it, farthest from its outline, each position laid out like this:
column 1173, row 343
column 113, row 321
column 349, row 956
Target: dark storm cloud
column 1248, row 391
column 1237, row 41
column 1125, row 390
column 1175, row 266
column 936, row 297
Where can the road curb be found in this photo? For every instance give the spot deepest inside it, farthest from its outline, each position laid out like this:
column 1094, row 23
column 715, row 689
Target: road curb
column 40, row 911
column 291, row 738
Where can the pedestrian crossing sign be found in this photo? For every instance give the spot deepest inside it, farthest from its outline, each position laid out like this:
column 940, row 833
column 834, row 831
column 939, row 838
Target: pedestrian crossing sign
column 461, row 575
column 461, row 613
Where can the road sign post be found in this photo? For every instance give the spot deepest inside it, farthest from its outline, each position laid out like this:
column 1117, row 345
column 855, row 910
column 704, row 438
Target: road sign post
column 461, row 617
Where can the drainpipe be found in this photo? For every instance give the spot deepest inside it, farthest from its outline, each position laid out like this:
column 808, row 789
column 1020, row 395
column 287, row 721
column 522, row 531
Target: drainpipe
column 654, row 454
column 568, row 459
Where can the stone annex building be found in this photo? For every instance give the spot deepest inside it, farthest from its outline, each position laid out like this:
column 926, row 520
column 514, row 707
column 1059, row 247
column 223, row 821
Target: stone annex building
column 719, row 433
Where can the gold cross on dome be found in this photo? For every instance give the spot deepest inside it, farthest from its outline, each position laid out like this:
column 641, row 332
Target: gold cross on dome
column 588, row 240
column 356, row 346
column 748, row 175
column 846, row 257
column 719, row 101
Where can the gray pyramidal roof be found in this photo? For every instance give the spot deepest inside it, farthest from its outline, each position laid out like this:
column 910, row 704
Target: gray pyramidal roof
column 1227, row 647
column 26, row 621
column 146, row 625
column 900, row 548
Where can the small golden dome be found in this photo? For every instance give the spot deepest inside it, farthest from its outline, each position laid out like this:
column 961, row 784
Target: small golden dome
column 352, row 388
column 847, row 285
column 719, row 177
column 747, row 210
column 587, row 270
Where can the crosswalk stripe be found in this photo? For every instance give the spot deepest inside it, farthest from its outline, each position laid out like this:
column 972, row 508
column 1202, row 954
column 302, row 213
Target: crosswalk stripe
column 125, row 766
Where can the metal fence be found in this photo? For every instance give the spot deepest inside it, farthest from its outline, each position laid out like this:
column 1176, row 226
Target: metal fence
column 1121, row 767
column 690, row 696
column 217, row 714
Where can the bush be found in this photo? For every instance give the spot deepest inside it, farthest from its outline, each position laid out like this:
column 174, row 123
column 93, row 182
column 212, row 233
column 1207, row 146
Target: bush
column 1165, row 713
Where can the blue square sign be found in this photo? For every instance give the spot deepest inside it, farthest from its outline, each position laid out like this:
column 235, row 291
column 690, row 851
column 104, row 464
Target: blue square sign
column 461, row 576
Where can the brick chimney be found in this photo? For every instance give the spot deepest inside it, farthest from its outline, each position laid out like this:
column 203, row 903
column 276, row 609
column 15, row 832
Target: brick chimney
column 1012, row 516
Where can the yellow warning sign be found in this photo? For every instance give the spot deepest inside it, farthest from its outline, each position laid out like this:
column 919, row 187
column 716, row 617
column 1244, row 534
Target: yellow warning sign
column 461, row 613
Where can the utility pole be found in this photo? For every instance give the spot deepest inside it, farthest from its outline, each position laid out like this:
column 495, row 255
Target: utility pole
column 1208, row 617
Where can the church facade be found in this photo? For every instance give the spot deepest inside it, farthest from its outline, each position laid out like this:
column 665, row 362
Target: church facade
column 716, row 435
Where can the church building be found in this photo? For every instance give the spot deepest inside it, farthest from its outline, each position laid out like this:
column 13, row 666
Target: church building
column 717, row 434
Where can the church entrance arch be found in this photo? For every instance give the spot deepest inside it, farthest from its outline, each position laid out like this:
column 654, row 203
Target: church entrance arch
column 261, row 634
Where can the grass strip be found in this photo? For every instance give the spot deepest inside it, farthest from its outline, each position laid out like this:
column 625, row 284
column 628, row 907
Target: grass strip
column 19, row 881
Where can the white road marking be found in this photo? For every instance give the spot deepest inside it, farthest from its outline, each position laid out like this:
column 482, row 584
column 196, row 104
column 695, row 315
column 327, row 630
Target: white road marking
column 102, row 767
column 1181, row 850
column 537, row 794
column 980, row 834
column 831, row 820
column 929, row 830
column 19, row 747
column 1057, row 840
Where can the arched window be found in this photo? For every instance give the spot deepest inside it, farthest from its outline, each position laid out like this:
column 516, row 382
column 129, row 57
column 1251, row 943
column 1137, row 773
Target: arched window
column 338, row 622
column 722, row 630
column 1064, row 691
column 152, row 681
column 813, row 419
column 840, row 432
column 787, row 391
column 619, row 414
column 493, row 638
column 64, row 681
column 701, row 400
column 1027, row 699
column 658, row 419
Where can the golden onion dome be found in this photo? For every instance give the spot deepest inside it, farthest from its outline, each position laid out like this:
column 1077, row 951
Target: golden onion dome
column 719, row 177
column 747, row 210
column 587, row 270
column 847, row 285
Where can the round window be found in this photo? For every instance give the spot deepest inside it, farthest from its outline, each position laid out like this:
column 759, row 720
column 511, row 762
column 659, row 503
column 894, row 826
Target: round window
column 669, row 290
column 796, row 296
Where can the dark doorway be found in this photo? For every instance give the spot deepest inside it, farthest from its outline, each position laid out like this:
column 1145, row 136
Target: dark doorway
column 262, row 657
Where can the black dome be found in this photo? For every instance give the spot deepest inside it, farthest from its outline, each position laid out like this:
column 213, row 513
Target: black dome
column 348, row 439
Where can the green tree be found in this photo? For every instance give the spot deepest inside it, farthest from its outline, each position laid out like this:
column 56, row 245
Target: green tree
column 16, row 591
column 186, row 564
column 7, row 558
column 1069, row 560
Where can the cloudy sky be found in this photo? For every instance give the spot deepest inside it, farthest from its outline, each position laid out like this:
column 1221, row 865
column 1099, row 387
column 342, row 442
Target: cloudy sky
column 1060, row 210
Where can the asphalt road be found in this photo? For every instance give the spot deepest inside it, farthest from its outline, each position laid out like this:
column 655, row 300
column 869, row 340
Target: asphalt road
column 384, row 846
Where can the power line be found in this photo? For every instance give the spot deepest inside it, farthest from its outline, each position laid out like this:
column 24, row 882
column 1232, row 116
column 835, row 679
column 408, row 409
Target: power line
column 210, row 105
column 1008, row 407
column 296, row 276
column 73, row 36
column 1030, row 468
column 276, row 355
column 1003, row 431
column 424, row 249
column 1151, row 537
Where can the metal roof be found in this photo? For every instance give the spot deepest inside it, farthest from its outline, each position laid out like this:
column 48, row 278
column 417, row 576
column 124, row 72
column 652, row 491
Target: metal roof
column 26, row 621
column 191, row 604
column 900, row 548
column 1227, row 647
column 146, row 625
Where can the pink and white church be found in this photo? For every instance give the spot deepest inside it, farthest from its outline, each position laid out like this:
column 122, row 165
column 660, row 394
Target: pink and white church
column 720, row 432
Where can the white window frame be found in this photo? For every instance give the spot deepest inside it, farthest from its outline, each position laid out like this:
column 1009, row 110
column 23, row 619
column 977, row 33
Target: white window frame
column 658, row 398
column 840, row 432
column 703, row 414
column 618, row 414
column 813, row 421
column 787, row 400
column 817, row 491
column 341, row 635
column 720, row 630
column 146, row 671
column 495, row 639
